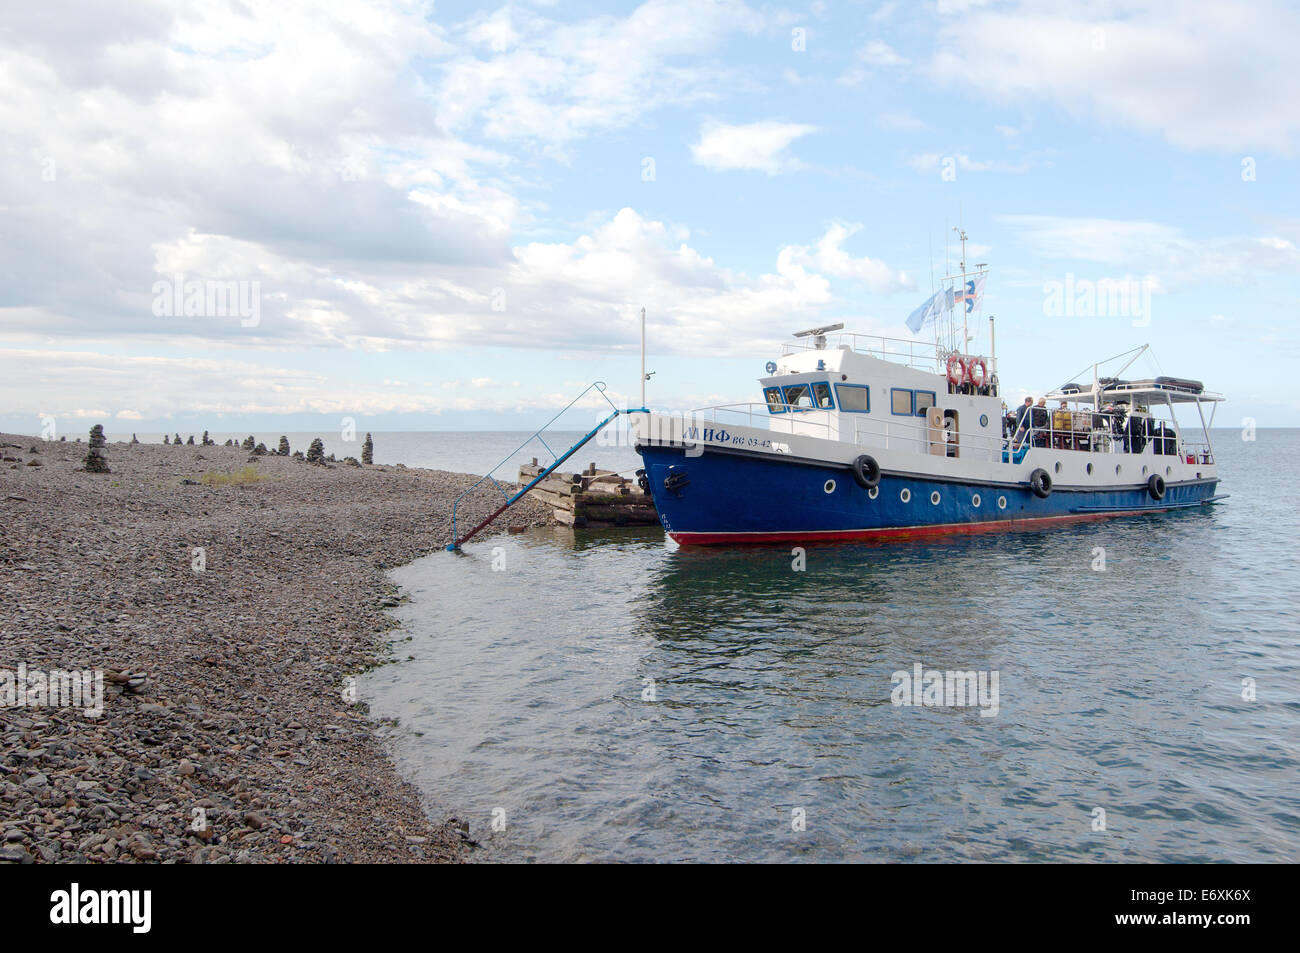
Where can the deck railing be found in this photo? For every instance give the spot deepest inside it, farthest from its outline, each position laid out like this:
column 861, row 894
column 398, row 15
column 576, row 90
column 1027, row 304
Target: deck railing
column 1103, row 432
column 1093, row 433
column 919, row 355
column 818, row 420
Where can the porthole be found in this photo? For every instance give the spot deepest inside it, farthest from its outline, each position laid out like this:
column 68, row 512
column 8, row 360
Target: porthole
column 975, row 501
column 1090, row 469
column 1117, row 469
column 934, row 498
column 873, row 492
column 905, row 495
column 1144, row 471
column 984, row 420
column 1169, row 471
column 830, row 486
column 1002, row 502
column 1057, row 468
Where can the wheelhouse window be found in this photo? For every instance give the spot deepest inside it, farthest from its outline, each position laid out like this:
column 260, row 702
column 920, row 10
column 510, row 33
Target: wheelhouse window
column 799, row 397
column 923, row 402
column 775, row 402
column 854, row 398
column 822, row 395
column 900, row 401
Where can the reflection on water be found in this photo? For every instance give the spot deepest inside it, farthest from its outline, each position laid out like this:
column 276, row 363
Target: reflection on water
column 623, row 699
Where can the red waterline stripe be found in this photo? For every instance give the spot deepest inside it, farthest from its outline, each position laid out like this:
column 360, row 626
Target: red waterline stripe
column 907, row 532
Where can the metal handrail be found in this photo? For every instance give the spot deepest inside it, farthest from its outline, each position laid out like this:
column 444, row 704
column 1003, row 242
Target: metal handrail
column 879, row 347
column 813, row 416
column 1104, row 439
column 511, row 500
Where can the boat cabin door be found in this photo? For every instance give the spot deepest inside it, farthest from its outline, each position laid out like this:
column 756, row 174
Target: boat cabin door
column 950, row 433
column 934, row 432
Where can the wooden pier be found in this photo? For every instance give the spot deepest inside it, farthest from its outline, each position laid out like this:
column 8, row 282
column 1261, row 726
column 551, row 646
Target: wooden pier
column 593, row 498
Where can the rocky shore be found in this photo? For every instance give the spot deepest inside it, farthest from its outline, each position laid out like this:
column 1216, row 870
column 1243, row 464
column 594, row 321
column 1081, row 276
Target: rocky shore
column 228, row 599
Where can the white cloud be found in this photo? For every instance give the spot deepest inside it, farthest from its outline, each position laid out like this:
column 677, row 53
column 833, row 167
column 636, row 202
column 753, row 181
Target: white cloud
column 929, row 163
column 1158, row 249
column 552, row 82
column 150, row 388
column 901, row 122
column 756, row 145
column 829, row 256
column 1207, row 75
column 880, row 53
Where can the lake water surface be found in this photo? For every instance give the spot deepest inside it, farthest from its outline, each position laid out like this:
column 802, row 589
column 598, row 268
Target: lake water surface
column 611, row 696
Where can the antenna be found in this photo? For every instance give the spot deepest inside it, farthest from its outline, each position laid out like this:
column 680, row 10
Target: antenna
column 819, row 334
column 932, row 292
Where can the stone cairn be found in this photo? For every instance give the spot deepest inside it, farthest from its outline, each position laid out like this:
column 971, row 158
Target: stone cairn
column 260, row 450
column 284, row 447
column 249, row 443
column 167, row 440
column 95, row 459
column 208, row 441
column 134, row 438
column 316, row 452
column 229, row 442
column 190, row 442
column 368, row 450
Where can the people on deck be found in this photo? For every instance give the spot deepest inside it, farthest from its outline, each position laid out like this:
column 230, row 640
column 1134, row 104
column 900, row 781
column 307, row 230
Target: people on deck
column 1039, row 421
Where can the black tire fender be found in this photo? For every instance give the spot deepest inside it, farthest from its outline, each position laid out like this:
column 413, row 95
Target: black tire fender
column 1040, row 481
column 1156, row 486
column 866, row 472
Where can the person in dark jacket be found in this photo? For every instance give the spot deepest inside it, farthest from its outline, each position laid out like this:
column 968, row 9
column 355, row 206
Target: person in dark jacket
column 1040, row 421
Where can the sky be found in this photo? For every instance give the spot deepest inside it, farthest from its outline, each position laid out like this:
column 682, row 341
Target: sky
column 440, row 216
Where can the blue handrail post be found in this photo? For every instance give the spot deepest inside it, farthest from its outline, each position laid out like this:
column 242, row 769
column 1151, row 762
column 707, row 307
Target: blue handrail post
column 456, row 541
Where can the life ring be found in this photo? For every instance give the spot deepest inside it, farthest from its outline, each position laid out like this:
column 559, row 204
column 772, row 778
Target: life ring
column 957, row 372
column 974, row 364
column 866, row 472
column 1040, row 483
column 1156, row 486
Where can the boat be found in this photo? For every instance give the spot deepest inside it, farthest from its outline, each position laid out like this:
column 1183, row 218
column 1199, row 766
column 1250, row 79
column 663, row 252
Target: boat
column 867, row 437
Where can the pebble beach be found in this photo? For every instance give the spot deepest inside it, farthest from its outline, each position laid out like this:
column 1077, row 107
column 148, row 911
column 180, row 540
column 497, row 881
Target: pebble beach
column 228, row 598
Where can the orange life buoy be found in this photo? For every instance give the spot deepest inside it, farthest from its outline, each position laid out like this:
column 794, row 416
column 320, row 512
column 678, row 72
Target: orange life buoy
column 956, row 370
column 977, row 364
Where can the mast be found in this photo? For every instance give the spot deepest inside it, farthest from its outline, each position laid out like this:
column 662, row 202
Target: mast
column 965, row 335
column 937, row 352
column 643, row 357
column 993, row 347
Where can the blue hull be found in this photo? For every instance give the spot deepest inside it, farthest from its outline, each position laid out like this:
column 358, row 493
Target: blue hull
column 736, row 497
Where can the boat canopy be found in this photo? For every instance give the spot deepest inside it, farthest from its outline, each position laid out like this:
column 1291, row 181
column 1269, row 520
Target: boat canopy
column 1175, row 390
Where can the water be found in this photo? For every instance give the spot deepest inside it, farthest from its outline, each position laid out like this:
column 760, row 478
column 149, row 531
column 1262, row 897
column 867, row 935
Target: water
column 525, row 690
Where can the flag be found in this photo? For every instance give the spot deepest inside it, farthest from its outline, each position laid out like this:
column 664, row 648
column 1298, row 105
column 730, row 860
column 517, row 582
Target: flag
column 970, row 293
column 928, row 311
